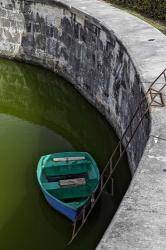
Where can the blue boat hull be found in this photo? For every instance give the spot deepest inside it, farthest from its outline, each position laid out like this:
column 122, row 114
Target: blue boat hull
column 57, row 205
column 70, row 210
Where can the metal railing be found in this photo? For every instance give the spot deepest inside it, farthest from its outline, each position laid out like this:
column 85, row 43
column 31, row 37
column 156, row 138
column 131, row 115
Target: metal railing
column 120, row 149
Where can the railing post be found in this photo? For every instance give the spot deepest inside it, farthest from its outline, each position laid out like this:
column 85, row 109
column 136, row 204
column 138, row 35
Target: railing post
column 111, row 167
column 101, row 181
column 83, row 215
column 74, row 229
column 92, row 199
column 112, row 187
column 120, row 149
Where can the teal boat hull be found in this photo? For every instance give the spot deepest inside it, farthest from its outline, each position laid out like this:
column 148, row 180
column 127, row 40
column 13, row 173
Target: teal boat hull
column 62, row 207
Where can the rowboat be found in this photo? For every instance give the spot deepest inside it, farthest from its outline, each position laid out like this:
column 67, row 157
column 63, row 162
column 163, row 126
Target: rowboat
column 68, row 180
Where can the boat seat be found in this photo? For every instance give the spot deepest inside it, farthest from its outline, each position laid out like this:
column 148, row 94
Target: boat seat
column 76, row 192
column 63, row 170
column 54, row 178
column 72, row 182
column 51, row 163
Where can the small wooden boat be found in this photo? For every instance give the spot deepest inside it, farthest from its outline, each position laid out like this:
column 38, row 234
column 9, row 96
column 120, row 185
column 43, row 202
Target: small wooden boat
column 67, row 180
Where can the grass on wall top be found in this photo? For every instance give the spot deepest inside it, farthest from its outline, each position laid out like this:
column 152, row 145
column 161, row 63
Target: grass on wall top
column 152, row 8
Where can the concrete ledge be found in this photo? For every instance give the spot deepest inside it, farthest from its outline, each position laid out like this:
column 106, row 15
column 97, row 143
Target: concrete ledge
column 129, row 54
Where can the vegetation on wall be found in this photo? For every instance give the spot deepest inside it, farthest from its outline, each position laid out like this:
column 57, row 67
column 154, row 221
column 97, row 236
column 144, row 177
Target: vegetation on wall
column 152, row 8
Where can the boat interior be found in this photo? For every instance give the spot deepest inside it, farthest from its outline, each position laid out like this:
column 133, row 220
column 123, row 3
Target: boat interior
column 70, row 180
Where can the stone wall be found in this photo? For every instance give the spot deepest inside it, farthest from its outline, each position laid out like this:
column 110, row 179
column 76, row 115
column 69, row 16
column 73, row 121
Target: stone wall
column 79, row 48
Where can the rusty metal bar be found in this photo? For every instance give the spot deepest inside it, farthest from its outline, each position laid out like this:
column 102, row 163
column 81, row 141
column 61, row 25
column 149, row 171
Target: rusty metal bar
column 152, row 90
column 111, row 167
column 93, row 200
column 112, row 187
column 136, row 111
column 157, row 103
column 101, row 181
column 165, row 75
column 83, row 214
column 120, row 145
column 74, row 228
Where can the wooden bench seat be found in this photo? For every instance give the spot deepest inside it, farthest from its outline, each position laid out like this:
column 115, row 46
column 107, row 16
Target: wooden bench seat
column 66, row 170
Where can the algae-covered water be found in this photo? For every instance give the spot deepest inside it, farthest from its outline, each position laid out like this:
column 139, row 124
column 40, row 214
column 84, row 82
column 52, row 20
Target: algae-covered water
column 41, row 113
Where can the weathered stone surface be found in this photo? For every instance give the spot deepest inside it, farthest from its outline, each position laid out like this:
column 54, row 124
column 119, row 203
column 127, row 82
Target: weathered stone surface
column 84, row 41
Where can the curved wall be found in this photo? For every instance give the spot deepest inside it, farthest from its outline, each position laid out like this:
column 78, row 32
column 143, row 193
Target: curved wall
column 97, row 55
column 83, row 51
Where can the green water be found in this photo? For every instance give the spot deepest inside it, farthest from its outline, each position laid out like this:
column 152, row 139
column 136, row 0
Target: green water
column 41, row 113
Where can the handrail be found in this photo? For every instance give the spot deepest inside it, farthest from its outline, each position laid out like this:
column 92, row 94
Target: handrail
column 87, row 209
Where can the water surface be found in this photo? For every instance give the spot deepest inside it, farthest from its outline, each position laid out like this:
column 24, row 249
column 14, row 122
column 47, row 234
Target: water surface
column 41, row 113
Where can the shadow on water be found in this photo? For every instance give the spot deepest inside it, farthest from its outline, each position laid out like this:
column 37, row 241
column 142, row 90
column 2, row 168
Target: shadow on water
column 41, row 113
